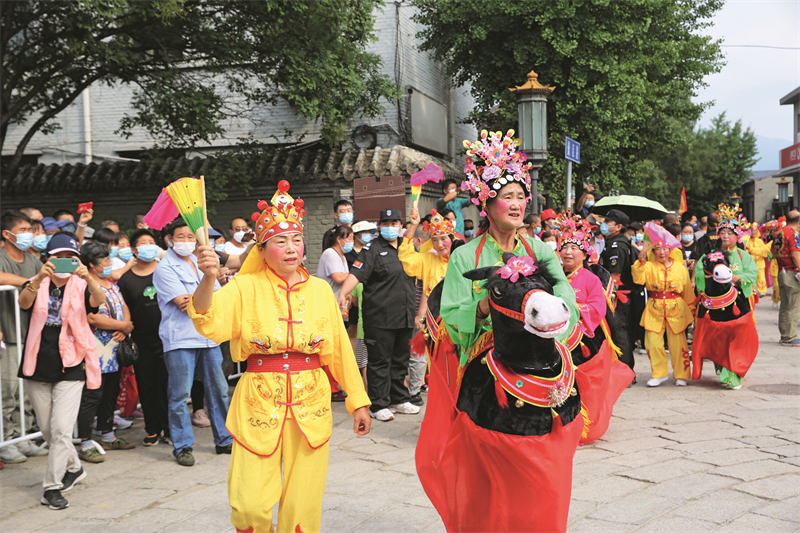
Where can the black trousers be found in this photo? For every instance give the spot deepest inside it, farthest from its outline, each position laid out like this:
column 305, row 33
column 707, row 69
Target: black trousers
column 387, row 365
column 151, row 380
column 638, row 303
column 623, row 316
column 100, row 402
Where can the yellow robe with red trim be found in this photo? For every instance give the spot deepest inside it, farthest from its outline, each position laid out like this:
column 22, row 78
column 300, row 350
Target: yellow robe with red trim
column 426, row 264
column 261, row 315
column 678, row 313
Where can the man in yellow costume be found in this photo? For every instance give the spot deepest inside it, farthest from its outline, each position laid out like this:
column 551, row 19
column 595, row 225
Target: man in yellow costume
column 286, row 325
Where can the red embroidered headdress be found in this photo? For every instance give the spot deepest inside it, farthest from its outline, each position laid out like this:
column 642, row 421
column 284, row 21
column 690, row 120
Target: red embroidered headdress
column 573, row 229
column 439, row 226
column 284, row 216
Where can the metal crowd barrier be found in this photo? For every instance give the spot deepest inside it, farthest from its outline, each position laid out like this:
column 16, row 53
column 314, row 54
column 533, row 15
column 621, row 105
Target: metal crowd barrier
column 21, row 404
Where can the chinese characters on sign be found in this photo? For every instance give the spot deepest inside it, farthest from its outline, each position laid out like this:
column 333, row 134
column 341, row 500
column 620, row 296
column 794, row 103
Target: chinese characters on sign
column 790, row 156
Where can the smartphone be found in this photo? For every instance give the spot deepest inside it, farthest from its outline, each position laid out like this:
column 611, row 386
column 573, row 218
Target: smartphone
column 82, row 208
column 65, row 265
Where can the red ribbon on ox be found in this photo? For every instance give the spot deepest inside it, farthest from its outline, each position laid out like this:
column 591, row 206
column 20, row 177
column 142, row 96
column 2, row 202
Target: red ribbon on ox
column 732, row 344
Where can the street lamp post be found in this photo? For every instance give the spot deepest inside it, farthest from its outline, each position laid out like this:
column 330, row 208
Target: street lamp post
column 532, row 108
column 735, row 199
column 783, row 195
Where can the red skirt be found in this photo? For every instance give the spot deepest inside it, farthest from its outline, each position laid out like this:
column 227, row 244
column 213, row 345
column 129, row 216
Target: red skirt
column 484, row 481
column 601, row 381
column 732, row 345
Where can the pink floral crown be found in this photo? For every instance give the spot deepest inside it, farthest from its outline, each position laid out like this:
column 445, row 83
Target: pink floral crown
column 502, row 164
column 731, row 217
column 573, row 229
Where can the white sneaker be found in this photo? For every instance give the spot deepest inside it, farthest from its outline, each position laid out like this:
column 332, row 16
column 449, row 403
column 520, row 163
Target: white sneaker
column 406, row 408
column 10, row 455
column 655, row 382
column 29, row 449
column 384, row 415
column 680, row 383
column 121, row 423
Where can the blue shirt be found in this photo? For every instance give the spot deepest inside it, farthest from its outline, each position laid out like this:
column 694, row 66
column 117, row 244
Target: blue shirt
column 456, row 205
column 174, row 277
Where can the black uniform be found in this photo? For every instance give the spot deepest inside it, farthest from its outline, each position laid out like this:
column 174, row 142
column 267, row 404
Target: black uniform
column 618, row 256
column 387, row 307
column 706, row 244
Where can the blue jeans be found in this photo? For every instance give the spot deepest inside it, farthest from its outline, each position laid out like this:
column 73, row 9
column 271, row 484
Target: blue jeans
column 181, row 366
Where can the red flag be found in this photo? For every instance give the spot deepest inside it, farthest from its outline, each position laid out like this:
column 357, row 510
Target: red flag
column 683, row 207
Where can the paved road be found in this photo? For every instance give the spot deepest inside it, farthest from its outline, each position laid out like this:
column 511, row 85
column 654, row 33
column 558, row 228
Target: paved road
column 674, row 459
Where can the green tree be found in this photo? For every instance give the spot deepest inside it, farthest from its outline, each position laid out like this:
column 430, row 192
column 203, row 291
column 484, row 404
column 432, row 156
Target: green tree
column 710, row 162
column 622, row 71
column 195, row 64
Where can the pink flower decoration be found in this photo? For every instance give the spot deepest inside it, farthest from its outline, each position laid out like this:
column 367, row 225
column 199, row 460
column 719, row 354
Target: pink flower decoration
column 716, row 256
column 491, row 173
column 516, row 266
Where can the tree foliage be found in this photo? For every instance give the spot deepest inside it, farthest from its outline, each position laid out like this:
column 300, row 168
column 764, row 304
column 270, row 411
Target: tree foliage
column 195, row 64
column 623, row 71
column 710, row 162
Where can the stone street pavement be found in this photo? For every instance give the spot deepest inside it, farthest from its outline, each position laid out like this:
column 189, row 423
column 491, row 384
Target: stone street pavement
column 691, row 459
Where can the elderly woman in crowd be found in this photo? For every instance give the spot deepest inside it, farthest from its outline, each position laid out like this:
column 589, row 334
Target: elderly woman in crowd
column 286, row 325
column 111, row 324
column 60, row 355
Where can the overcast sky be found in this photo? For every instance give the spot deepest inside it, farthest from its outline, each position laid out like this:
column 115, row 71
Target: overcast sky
column 753, row 81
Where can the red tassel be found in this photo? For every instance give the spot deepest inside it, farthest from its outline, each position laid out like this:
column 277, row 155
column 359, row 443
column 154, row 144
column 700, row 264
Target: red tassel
column 585, row 351
column 736, row 311
column 418, row 344
column 500, row 392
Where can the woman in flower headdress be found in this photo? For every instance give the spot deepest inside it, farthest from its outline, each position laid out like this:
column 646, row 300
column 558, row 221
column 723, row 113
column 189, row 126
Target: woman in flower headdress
column 592, row 347
column 286, row 325
column 497, row 176
column 670, row 305
column 731, row 225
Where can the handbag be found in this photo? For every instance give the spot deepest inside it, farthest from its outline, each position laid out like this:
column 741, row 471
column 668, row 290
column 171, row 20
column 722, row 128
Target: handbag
column 127, row 352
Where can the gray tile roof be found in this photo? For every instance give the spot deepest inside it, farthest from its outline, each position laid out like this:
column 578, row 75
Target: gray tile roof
column 302, row 165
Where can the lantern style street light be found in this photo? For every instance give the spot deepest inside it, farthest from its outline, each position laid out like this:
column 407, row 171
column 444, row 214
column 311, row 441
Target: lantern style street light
column 735, row 199
column 783, row 191
column 532, row 108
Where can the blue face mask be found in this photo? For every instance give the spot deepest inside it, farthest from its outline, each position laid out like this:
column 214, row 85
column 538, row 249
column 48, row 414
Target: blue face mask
column 40, row 242
column 219, row 248
column 24, row 240
column 366, row 238
column 106, row 272
column 147, row 252
column 469, row 233
column 687, row 238
column 113, row 252
column 537, row 231
column 604, row 229
column 639, row 237
column 346, row 218
column 390, row 234
column 69, row 227
column 588, row 204
column 694, row 225
column 125, row 254
column 348, row 247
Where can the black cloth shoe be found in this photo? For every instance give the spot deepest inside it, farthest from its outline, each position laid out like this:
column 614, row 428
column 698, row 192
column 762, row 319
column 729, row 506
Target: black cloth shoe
column 151, row 440
column 185, row 457
column 417, row 400
column 71, row 478
column 54, row 500
column 223, row 449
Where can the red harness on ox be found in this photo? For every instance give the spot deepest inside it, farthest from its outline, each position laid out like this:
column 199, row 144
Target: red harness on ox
column 719, row 302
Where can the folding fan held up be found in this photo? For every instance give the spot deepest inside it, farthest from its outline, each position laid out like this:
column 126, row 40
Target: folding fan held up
column 430, row 173
column 185, row 197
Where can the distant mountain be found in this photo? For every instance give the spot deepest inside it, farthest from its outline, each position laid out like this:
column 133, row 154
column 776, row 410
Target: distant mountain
column 768, row 149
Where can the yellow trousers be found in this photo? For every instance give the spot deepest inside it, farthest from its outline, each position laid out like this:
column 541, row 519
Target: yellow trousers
column 678, row 349
column 761, row 281
column 254, row 485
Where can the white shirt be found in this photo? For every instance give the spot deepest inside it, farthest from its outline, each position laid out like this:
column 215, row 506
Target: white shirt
column 232, row 249
column 117, row 263
column 330, row 263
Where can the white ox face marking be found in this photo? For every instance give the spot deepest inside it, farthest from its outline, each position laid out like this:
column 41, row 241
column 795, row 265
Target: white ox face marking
column 722, row 274
column 546, row 315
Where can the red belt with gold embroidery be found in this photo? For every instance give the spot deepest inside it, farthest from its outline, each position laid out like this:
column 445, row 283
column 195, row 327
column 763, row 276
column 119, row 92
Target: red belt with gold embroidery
column 282, row 362
column 663, row 295
column 719, row 302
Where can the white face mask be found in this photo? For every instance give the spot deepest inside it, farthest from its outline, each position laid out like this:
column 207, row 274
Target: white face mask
column 62, row 275
column 552, row 244
column 238, row 236
column 183, row 249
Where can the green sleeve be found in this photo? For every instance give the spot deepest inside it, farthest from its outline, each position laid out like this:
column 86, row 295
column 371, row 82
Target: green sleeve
column 748, row 274
column 699, row 275
column 460, row 303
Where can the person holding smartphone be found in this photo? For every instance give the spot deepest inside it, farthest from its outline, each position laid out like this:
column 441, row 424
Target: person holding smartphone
column 60, row 356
